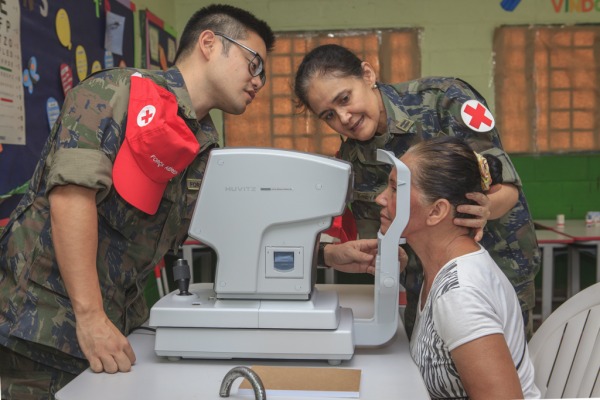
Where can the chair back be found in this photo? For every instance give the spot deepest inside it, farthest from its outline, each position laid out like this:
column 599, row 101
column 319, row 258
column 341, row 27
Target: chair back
column 565, row 350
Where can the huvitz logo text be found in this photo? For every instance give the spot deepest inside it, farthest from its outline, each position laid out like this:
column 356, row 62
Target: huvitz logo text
column 240, row 188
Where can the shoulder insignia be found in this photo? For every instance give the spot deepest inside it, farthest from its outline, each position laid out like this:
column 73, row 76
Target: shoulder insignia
column 404, row 124
column 476, row 116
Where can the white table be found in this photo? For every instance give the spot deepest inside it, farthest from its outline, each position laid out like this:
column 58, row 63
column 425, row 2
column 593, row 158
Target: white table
column 388, row 372
column 583, row 237
column 548, row 241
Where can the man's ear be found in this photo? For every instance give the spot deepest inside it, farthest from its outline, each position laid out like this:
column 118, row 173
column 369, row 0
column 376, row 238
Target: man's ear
column 207, row 43
column 438, row 211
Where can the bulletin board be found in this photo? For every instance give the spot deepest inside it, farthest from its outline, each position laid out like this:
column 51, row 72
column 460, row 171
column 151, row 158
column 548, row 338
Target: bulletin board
column 159, row 42
column 62, row 42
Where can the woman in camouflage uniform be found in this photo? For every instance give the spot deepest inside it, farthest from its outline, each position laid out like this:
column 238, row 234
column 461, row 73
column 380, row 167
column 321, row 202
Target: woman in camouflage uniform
column 333, row 83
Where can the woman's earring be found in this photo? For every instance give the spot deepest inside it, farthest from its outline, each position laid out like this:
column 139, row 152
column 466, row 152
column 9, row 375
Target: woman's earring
column 375, row 86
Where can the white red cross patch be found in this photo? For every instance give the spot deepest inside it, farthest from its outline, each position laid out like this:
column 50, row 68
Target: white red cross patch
column 146, row 115
column 477, row 117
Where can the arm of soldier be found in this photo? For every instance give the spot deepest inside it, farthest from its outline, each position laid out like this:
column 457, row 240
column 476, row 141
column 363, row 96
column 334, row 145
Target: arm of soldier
column 75, row 237
column 356, row 256
column 486, row 142
column 503, row 198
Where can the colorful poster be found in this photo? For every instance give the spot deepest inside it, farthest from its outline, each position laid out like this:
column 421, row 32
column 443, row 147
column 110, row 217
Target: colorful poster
column 12, row 78
column 60, row 42
column 159, row 42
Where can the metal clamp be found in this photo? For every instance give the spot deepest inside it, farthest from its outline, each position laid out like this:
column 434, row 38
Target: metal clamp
column 245, row 372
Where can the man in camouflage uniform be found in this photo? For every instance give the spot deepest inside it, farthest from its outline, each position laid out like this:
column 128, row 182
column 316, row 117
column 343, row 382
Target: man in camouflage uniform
column 418, row 110
column 76, row 254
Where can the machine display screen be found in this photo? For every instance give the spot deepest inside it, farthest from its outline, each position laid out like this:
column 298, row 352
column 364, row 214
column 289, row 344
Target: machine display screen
column 283, row 260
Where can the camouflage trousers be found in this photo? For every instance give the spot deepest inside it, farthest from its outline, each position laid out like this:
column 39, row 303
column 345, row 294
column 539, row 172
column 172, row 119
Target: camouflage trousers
column 24, row 379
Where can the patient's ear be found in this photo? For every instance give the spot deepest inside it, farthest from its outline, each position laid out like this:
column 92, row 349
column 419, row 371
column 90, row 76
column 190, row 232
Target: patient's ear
column 438, row 211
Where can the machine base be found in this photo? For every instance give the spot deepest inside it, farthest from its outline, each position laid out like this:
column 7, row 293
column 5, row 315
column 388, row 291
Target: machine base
column 227, row 343
column 202, row 309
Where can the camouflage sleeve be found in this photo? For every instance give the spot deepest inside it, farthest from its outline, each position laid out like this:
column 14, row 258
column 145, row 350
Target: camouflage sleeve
column 93, row 113
column 89, row 132
column 84, row 167
column 483, row 142
column 509, row 173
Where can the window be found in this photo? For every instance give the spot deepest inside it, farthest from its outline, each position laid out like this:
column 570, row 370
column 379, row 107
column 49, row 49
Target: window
column 546, row 81
column 273, row 120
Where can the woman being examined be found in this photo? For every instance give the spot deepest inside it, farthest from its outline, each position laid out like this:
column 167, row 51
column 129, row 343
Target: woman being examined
column 334, row 84
column 468, row 339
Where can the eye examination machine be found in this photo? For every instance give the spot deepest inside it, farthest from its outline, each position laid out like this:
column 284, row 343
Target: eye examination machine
column 263, row 211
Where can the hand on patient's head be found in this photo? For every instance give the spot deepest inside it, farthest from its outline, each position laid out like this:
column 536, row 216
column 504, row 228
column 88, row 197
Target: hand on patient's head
column 480, row 213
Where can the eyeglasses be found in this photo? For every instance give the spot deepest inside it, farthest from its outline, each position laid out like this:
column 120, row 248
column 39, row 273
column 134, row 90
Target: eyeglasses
column 255, row 68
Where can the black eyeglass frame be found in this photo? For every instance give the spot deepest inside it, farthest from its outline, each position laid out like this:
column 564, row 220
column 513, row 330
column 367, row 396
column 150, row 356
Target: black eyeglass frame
column 260, row 69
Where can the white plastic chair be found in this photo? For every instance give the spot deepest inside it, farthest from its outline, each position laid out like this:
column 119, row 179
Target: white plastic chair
column 565, row 350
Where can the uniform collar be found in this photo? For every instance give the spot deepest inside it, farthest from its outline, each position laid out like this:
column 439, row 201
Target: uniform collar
column 207, row 134
column 176, row 85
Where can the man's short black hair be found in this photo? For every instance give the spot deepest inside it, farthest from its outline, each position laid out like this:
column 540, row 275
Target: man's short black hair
column 229, row 20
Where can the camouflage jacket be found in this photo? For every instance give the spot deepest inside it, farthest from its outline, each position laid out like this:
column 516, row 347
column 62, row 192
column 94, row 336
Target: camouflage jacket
column 427, row 107
column 80, row 150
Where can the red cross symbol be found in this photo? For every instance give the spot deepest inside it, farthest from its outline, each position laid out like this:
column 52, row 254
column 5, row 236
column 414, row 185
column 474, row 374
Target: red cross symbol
column 474, row 114
column 147, row 117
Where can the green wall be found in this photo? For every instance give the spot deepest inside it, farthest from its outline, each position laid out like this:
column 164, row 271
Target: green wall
column 456, row 41
column 560, row 184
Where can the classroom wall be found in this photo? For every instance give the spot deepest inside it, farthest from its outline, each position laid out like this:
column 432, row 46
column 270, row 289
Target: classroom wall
column 165, row 9
column 456, row 41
